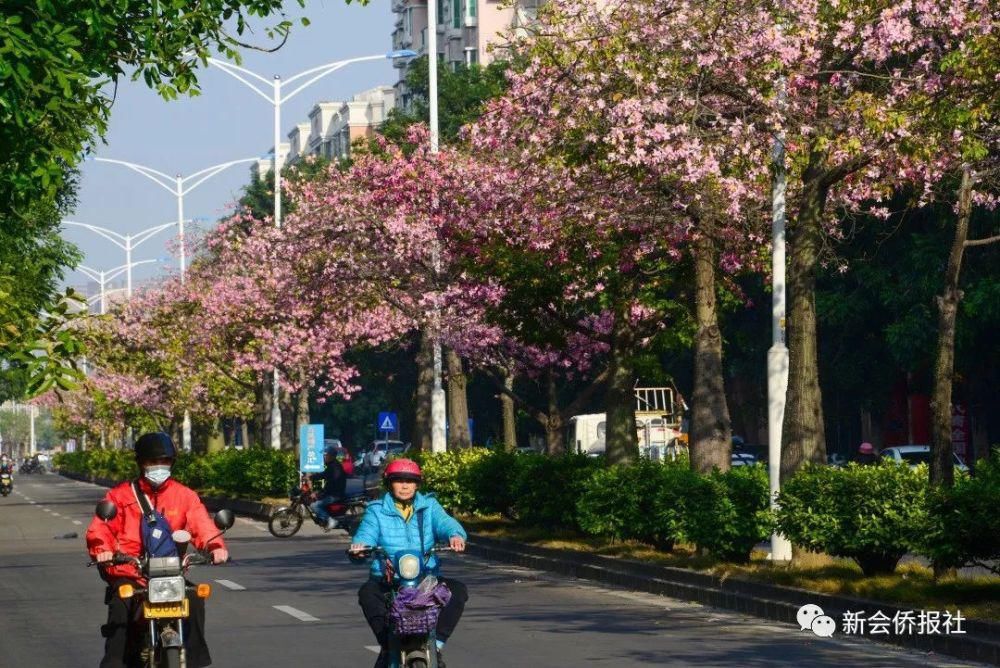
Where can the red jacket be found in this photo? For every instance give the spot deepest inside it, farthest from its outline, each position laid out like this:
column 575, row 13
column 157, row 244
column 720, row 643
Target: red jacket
column 179, row 504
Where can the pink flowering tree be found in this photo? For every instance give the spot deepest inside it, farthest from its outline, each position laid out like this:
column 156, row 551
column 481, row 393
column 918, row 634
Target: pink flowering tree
column 620, row 96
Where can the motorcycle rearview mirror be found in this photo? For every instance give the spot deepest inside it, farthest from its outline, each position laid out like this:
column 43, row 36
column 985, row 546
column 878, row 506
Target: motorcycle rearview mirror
column 224, row 519
column 106, row 510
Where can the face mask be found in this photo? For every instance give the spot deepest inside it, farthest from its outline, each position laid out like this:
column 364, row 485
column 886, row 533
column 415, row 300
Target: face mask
column 157, row 475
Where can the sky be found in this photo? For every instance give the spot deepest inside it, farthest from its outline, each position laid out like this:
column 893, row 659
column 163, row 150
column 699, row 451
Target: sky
column 228, row 121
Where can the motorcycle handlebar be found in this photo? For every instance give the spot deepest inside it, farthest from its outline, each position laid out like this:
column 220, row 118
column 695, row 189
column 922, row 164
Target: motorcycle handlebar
column 370, row 551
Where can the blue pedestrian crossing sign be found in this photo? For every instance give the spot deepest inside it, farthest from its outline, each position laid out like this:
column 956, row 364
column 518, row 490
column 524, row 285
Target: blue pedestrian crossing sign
column 388, row 422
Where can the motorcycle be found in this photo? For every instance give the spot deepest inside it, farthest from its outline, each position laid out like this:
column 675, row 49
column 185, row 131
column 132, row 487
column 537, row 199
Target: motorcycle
column 6, row 484
column 287, row 520
column 165, row 600
column 415, row 600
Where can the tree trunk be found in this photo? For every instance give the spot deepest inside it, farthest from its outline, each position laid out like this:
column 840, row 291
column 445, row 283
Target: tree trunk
column 244, row 433
column 301, row 415
column 554, row 443
column 942, row 457
column 458, row 404
column 264, row 412
column 711, row 430
column 622, row 445
column 425, row 387
column 802, row 438
column 507, row 411
column 216, row 441
column 287, row 436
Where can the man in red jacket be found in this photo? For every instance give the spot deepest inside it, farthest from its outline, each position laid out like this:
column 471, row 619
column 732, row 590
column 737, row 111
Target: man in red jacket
column 183, row 509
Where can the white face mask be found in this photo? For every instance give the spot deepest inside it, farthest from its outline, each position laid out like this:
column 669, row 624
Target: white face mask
column 157, row 475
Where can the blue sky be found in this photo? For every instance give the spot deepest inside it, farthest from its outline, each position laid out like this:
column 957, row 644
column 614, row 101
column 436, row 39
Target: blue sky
column 226, row 122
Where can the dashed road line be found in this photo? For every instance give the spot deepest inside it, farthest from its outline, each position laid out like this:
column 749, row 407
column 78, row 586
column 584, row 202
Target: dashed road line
column 229, row 584
column 297, row 614
column 256, row 525
column 373, row 648
column 77, row 522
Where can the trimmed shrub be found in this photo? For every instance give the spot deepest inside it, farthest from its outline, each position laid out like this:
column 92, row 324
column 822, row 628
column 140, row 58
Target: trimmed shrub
column 963, row 522
column 641, row 502
column 546, row 489
column 728, row 514
column 871, row 514
column 447, row 475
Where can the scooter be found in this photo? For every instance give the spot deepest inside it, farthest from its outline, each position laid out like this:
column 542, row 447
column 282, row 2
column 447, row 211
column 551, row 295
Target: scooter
column 287, row 520
column 165, row 600
column 6, row 484
column 415, row 601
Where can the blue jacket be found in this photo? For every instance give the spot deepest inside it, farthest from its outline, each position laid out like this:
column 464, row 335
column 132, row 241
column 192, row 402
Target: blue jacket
column 383, row 526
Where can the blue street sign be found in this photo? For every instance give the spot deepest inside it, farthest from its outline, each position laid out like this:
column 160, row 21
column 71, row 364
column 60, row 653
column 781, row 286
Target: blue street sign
column 388, row 422
column 311, row 448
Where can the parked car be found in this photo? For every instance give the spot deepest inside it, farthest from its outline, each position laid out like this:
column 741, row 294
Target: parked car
column 742, row 459
column 379, row 450
column 343, row 454
column 914, row 455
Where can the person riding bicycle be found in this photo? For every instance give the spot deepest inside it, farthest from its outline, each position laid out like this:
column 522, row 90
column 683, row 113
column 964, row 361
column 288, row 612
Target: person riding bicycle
column 181, row 507
column 334, row 485
column 395, row 523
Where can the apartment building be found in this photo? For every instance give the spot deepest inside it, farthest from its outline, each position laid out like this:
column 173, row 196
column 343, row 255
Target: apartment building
column 466, row 30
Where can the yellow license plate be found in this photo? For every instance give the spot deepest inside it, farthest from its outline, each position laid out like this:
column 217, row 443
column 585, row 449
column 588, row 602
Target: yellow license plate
column 166, row 610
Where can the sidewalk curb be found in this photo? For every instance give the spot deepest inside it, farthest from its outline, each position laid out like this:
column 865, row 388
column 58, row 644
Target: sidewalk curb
column 981, row 642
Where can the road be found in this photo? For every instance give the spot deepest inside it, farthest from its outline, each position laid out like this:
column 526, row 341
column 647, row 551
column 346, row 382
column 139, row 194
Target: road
column 293, row 602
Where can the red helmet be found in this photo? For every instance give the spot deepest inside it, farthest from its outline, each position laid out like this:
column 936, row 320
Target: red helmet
column 867, row 449
column 402, row 469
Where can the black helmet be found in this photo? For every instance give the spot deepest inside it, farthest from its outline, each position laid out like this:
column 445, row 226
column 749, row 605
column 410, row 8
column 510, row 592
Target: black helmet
column 154, row 446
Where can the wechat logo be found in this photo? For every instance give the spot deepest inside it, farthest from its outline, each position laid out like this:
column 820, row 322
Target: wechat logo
column 810, row 617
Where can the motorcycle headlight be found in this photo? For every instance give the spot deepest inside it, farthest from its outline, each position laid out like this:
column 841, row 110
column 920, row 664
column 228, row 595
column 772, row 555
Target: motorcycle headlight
column 409, row 566
column 166, row 590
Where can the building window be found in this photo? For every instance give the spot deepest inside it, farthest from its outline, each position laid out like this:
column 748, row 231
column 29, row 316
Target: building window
column 470, row 8
column 456, row 13
column 408, row 21
column 440, row 14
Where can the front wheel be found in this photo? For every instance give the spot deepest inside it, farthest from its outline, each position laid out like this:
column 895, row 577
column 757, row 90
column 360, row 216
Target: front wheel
column 416, row 663
column 285, row 523
column 171, row 657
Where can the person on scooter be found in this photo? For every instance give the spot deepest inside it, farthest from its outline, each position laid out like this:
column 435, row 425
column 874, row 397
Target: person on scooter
column 6, row 465
column 181, row 507
column 334, row 485
column 389, row 523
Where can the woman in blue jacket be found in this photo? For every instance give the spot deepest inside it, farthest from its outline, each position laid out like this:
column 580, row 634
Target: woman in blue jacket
column 396, row 522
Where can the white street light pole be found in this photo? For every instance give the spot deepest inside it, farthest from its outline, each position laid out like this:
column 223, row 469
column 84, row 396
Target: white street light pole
column 438, row 407
column 276, row 98
column 177, row 186
column 777, row 356
column 103, row 277
column 126, row 242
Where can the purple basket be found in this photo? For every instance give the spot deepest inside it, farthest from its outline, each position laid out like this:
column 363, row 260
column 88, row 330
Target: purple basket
column 414, row 612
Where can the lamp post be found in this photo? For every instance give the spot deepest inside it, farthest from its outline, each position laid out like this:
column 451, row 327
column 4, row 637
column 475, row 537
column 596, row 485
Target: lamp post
column 103, row 277
column 777, row 355
column 126, row 242
column 177, row 186
column 272, row 91
column 438, row 407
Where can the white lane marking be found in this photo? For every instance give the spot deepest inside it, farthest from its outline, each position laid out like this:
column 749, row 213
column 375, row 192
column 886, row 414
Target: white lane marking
column 297, row 614
column 77, row 522
column 34, row 503
column 229, row 584
column 54, row 514
column 373, row 648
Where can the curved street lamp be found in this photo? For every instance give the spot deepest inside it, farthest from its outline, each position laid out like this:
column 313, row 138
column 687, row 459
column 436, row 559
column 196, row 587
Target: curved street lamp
column 104, row 277
column 177, row 186
column 124, row 241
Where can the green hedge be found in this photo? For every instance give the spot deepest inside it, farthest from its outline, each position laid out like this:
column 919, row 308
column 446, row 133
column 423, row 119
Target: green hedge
column 729, row 513
column 251, row 473
column 872, row 514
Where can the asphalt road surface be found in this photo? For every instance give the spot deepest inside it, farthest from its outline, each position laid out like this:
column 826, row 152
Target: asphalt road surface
column 292, row 602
